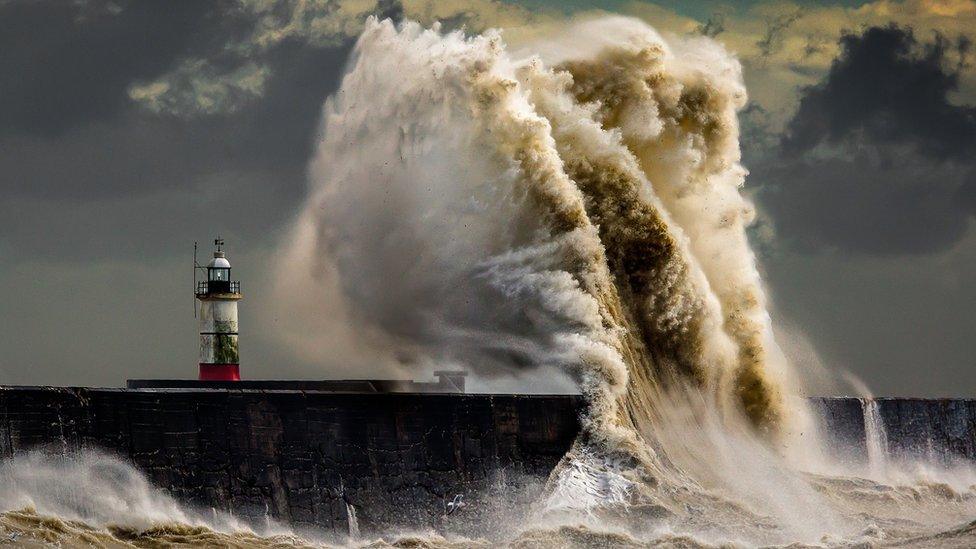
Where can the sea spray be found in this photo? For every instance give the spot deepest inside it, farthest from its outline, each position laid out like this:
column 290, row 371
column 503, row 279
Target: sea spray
column 488, row 178
column 580, row 210
column 353, row 522
column 525, row 223
column 876, row 438
column 90, row 498
column 103, row 489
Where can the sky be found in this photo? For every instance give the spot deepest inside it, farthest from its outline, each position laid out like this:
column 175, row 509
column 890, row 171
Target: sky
column 129, row 130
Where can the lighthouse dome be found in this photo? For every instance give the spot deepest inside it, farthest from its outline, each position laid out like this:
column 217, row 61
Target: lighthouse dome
column 219, row 261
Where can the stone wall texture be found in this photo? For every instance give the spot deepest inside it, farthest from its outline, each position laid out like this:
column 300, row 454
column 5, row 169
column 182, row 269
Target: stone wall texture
column 941, row 431
column 313, row 459
column 306, row 458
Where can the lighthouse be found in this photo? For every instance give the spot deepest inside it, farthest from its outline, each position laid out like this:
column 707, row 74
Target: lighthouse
column 218, row 296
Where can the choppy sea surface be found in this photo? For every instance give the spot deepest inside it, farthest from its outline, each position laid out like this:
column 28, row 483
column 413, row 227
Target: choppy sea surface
column 27, row 528
column 92, row 499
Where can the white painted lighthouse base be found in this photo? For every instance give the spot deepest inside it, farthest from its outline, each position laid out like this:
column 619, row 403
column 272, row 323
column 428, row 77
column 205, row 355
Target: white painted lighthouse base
column 219, row 355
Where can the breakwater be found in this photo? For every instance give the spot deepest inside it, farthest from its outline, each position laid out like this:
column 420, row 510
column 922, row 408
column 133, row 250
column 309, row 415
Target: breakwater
column 939, row 431
column 332, row 461
column 374, row 461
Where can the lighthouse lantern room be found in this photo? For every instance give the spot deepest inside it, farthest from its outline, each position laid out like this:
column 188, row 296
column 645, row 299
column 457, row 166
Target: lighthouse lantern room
column 218, row 296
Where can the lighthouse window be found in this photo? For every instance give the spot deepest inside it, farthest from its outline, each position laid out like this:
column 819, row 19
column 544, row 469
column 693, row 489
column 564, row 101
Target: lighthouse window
column 222, row 275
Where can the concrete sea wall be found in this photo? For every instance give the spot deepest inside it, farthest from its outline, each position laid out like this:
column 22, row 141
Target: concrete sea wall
column 940, row 431
column 336, row 461
column 325, row 460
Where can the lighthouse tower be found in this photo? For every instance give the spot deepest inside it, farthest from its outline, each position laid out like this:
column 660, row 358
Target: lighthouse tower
column 218, row 296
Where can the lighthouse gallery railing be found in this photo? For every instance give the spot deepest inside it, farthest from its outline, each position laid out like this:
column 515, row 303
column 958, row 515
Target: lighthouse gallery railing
column 206, row 287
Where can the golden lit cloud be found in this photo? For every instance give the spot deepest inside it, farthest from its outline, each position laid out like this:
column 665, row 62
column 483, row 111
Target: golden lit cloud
column 784, row 46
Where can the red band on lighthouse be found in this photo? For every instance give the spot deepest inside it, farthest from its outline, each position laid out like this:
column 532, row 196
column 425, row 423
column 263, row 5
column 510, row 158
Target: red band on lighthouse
column 220, row 372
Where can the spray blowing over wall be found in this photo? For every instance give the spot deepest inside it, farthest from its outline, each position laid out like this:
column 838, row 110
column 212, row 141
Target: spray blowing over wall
column 579, row 211
column 576, row 206
column 506, row 214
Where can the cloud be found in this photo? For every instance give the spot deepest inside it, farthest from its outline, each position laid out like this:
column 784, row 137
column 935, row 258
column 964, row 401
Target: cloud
column 133, row 98
column 787, row 46
column 225, row 81
column 136, row 151
column 197, row 88
column 886, row 87
column 877, row 158
column 116, row 103
column 67, row 64
column 75, row 186
column 776, row 30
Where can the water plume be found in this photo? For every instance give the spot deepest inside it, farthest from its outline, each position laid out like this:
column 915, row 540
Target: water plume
column 505, row 214
column 576, row 206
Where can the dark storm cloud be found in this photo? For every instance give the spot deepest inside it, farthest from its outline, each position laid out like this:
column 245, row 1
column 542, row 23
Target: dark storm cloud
column 68, row 63
column 884, row 90
column 71, row 138
column 877, row 158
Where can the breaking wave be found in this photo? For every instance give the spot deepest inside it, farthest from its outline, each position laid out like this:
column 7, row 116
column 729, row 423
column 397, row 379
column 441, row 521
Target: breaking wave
column 579, row 210
column 94, row 499
column 578, row 206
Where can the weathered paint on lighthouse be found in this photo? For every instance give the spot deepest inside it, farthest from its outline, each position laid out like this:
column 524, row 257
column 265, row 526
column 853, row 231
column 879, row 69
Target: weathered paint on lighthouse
column 218, row 329
column 218, row 295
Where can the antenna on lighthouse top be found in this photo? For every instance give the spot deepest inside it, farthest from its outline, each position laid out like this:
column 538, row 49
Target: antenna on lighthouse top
column 218, row 242
column 195, row 267
column 196, row 287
